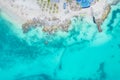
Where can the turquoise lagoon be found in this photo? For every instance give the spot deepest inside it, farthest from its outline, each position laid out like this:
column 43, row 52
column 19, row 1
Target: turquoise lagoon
column 82, row 53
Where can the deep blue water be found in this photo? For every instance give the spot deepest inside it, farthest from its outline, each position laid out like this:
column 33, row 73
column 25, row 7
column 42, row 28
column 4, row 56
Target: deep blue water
column 82, row 53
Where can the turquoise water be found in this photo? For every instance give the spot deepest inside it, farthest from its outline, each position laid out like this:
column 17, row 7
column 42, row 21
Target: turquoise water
column 82, row 53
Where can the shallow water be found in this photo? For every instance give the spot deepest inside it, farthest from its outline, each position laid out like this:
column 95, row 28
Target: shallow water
column 82, row 53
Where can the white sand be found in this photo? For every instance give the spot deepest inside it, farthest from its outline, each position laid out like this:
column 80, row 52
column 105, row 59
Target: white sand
column 24, row 10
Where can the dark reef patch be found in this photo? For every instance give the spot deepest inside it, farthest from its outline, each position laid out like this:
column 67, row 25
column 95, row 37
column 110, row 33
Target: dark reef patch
column 114, row 16
column 118, row 45
column 101, row 71
column 36, row 77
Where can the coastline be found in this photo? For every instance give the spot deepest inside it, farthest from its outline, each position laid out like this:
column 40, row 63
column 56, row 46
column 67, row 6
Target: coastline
column 10, row 17
column 26, row 18
column 16, row 23
column 29, row 17
column 54, row 29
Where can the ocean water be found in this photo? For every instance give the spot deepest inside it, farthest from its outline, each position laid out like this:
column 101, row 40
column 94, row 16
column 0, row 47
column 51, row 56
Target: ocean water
column 82, row 53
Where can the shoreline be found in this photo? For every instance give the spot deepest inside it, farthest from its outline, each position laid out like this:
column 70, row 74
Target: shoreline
column 16, row 28
column 53, row 23
column 10, row 17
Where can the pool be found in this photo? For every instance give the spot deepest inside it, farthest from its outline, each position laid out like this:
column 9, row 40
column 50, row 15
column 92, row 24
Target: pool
column 84, row 3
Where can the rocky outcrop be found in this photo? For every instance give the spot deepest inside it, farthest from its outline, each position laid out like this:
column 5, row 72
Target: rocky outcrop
column 104, row 16
column 46, row 27
column 29, row 24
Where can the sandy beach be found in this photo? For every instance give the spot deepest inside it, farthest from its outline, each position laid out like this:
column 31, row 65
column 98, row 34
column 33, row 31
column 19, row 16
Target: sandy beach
column 29, row 12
